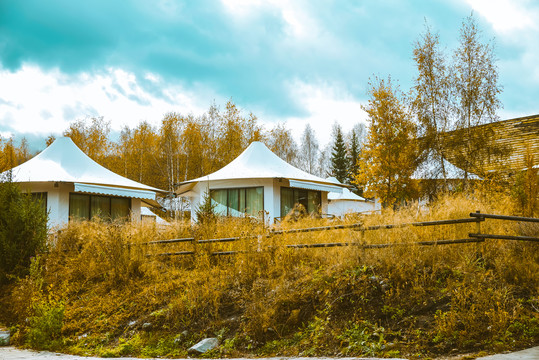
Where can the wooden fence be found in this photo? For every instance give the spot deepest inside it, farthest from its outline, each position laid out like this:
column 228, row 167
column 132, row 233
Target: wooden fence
column 475, row 237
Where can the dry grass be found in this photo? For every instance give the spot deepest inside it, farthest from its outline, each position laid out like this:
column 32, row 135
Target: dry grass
column 273, row 300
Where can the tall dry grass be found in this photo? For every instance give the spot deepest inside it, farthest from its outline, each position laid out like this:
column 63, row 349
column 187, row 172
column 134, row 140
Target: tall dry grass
column 120, row 297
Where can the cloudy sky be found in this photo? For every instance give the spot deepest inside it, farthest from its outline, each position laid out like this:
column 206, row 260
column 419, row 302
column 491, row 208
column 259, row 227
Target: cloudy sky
column 294, row 62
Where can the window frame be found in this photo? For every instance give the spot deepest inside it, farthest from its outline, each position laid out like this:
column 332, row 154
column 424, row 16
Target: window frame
column 240, row 189
column 297, row 190
column 108, row 217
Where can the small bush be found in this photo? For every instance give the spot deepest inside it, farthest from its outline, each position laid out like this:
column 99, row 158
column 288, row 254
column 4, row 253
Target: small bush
column 23, row 231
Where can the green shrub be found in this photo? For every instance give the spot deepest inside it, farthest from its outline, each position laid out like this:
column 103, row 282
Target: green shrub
column 363, row 338
column 23, row 231
column 46, row 326
column 47, row 312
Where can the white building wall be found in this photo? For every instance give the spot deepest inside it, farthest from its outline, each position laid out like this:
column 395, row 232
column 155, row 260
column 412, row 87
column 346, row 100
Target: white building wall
column 62, row 215
column 135, row 210
column 342, row 207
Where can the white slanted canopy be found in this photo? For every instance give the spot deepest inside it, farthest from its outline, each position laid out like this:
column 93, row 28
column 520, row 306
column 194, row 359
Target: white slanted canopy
column 257, row 166
column 340, row 204
column 63, row 167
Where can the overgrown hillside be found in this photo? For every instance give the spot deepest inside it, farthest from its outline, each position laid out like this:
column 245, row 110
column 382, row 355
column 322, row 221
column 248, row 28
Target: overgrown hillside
column 94, row 294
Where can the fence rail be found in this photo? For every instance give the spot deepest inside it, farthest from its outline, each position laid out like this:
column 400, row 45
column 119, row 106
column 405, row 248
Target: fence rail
column 504, row 237
column 504, row 217
column 475, row 217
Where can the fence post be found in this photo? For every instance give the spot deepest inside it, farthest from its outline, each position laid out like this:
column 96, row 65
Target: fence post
column 479, row 248
column 362, row 242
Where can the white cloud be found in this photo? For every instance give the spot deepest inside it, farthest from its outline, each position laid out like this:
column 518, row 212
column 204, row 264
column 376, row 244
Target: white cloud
column 325, row 105
column 5, row 135
column 507, row 15
column 42, row 102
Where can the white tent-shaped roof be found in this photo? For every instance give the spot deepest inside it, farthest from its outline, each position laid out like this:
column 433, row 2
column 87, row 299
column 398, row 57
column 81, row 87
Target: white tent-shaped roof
column 63, row 161
column 258, row 162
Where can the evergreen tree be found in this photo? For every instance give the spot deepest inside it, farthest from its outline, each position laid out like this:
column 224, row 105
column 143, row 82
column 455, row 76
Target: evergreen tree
column 353, row 155
column 205, row 212
column 339, row 161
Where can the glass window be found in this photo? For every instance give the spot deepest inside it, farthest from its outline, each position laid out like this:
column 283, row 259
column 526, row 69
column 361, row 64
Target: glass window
column 120, row 208
column 287, row 200
column 311, row 200
column 100, row 207
column 254, row 201
column 219, row 200
column 234, row 202
column 302, row 197
column 314, row 202
column 85, row 207
column 238, row 201
column 79, row 206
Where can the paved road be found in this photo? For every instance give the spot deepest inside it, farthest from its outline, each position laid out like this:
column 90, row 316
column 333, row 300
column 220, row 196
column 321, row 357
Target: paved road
column 528, row 354
column 11, row 353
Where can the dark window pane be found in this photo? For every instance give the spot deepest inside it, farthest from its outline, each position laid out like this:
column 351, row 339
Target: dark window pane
column 79, row 206
column 242, row 204
column 234, row 202
column 120, row 208
column 315, row 202
column 287, row 201
column 100, row 207
column 303, row 197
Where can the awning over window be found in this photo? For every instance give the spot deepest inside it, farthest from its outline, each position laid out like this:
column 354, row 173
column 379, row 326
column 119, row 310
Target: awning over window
column 315, row 186
column 107, row 190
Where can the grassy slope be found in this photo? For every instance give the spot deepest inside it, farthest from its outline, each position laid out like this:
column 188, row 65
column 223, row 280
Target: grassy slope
column 90, row 295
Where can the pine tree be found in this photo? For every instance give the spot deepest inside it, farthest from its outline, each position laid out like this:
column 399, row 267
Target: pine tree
column 339, row 161
column 353, row 155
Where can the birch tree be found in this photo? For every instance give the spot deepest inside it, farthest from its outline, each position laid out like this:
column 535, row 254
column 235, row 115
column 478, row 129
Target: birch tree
column 309, row 150
column 431, row 102
column 475, row 77
column 282, row 144
column 92, row 139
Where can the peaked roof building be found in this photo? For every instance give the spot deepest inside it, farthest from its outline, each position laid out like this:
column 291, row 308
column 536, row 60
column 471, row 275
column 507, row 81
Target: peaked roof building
column 62, row 172
column 258, row 183
column 259, row 162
